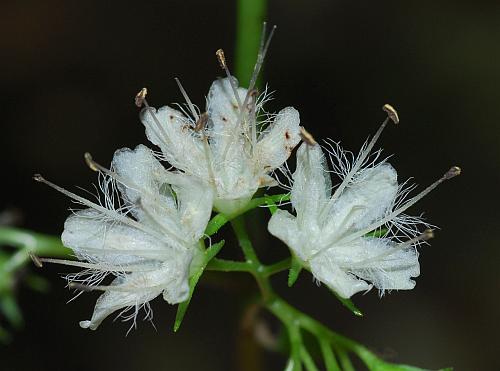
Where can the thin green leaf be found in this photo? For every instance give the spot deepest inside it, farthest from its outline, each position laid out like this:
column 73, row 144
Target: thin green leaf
column 215, row 224
column 307, row 360
column 295, row 269
column 345, row 361
column 348, row 304
column 193, row 280
column 328, row 355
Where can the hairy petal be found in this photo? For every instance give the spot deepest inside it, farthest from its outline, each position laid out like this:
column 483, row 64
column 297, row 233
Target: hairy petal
column 325, row 269
column 180, row 146
column 365, row 200
column 311, row 188
column 372, row 259
column 276, row 144
column 223, row 111
column 135, row 289
column 88, row 235
column 144, row 176
column 283, row 225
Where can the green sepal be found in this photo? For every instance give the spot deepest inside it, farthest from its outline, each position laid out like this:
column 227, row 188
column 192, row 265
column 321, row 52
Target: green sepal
column 215, row 224
column 193, row 280
column 348, row 304
column 271, row 204
column 377, row 233
column 294, row 272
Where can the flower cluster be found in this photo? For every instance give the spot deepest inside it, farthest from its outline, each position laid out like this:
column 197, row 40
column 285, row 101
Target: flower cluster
column 148, row 227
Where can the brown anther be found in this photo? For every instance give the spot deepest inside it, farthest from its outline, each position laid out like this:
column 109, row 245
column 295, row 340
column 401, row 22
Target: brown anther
column 38, row 178
column 428, row 234
column 221, row 58
column 202, row 121
column 391, row 112
column 453, row 172
column 140, row 97
column 307, row 137
column 90, row 163
column 36, row 260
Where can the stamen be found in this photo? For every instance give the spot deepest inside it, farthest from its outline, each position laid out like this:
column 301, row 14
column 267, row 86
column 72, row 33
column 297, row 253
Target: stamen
column 110, row 213
column 427, row 235
column 122, row 288
column 188, row 101
column 359, row 162
column 201, row 122
column 307, row 137
column 391, row 112
column 100, row 267
column 139, row 98
column 264, row 45
column 222, row 61
column 36, row 260
column 453, row 172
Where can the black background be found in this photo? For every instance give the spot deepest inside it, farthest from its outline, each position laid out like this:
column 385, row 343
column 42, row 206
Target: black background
column 69, row 72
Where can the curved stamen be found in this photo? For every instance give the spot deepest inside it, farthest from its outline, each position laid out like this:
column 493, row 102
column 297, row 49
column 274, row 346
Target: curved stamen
column 453, row 172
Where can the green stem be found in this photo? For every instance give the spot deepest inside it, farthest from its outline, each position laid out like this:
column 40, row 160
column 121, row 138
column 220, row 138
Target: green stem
column 249, row 19
column 219, row 220
column 37, row 243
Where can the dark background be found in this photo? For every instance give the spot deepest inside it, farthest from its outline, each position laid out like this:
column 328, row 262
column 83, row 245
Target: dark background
column 69, row 72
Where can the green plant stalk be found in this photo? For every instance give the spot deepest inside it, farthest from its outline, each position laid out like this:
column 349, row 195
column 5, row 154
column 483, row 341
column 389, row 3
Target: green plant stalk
column 295, row 320
column 249, row 18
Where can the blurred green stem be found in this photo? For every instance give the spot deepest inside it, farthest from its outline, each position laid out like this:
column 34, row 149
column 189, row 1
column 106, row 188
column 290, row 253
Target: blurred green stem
column 249, row 19
column 37, row 243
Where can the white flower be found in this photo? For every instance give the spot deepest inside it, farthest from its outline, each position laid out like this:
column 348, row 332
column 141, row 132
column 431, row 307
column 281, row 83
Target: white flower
column 232, row 148
column 147, row 238
column 329, row 232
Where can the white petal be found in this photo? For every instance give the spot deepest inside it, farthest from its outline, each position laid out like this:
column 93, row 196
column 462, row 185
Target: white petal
column 143, row 174
column 195, row 200
column 111, row 301
column 232, row 164
column 386, row 272
column 182, row 210
column 88, row 235
column 326, row 270
column 276, row 144
column 134, row 289
column 311, row 187
column 180, row 146
column 365, row 200
column 283, row 225
column 223, row 110
column 366, row 259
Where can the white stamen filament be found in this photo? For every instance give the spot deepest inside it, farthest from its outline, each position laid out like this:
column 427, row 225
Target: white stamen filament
column 110, row 213
column 359, row 162
column 101, row 267
column 97, row 167
column 222, row 61
column 188, row 101
column 121, row 288
column 428, row 234
column 454, row 171
column 258, row 65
